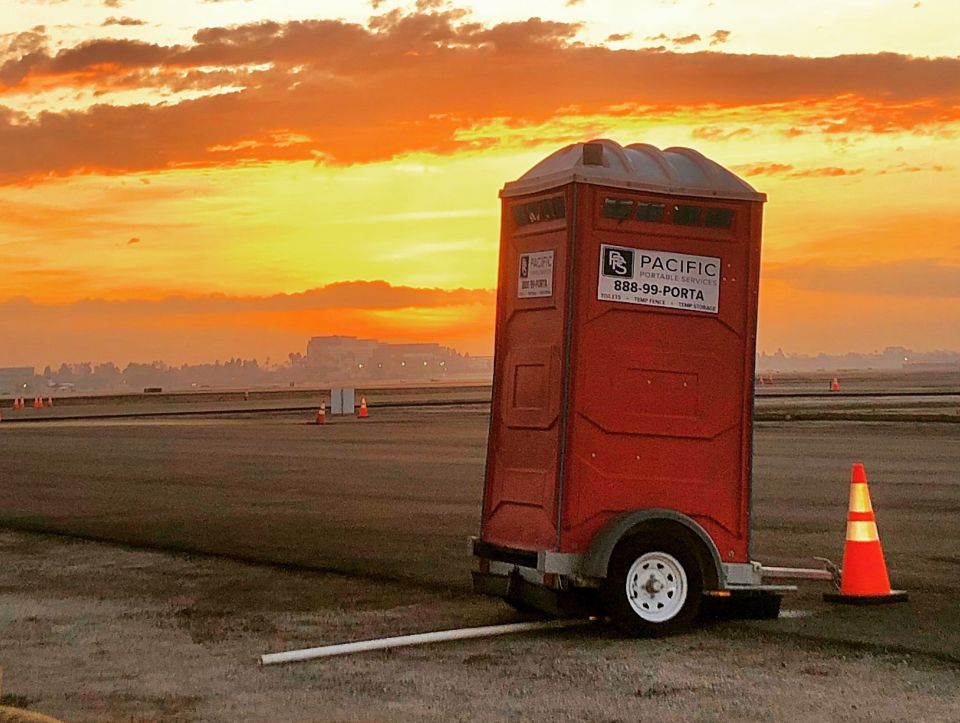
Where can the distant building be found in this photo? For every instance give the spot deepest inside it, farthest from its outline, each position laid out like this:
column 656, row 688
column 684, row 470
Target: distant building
column 15, row 379
column 349, row 357
column 478, row 365
column 335, row 354
column 414, row 361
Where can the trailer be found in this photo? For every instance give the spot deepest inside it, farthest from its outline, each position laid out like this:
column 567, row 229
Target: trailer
column 618, row 465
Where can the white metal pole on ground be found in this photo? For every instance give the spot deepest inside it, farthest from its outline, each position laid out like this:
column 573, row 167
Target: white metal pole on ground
column 362, row 646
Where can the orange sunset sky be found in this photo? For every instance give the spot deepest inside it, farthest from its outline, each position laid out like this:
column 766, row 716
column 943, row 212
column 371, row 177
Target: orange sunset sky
column 190, row 180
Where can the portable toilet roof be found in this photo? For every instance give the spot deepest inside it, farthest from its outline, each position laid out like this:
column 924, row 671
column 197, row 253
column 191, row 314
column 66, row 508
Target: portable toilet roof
column 639, row 166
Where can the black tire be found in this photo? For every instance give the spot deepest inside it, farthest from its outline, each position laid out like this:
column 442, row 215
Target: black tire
column 649, row 623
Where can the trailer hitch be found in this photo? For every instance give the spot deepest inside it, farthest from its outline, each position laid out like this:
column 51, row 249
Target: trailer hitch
column 830, row 572
column 833, row 569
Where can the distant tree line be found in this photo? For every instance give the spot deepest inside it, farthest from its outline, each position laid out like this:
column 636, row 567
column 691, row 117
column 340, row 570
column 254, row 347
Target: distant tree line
column 135, row 376
column 892, row 357
column 231, row 374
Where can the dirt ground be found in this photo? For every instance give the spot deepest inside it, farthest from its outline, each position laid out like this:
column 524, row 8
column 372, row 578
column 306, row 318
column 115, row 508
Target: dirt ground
column 368, row 524
column 97, row 632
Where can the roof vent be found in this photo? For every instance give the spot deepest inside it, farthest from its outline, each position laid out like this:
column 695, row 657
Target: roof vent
column 593, row 154
column 641, row 167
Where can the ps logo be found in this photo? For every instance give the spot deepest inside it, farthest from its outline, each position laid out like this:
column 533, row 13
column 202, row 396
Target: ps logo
column 617, row 262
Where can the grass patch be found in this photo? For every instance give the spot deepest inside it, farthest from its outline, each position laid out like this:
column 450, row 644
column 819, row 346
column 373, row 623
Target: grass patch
column 15, row 701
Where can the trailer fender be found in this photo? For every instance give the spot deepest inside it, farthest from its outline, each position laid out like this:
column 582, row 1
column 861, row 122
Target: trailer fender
column 597, row 559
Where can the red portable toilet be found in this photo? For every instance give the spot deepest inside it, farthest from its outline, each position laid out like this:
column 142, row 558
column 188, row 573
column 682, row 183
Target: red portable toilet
column 619, row 455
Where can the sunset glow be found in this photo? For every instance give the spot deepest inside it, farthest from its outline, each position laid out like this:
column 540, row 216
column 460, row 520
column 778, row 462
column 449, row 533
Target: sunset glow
column 195, row 180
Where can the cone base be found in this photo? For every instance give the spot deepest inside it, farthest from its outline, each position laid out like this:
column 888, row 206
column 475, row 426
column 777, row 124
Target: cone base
column 894, row 596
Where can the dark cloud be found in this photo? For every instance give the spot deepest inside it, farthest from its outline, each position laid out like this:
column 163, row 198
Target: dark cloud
column 762, row 169
column 789, row 171
column 826, row 172
column 719, row 37
column 125, row 21
column 16, row 46
column 206, row 327
column 713, row 133
column 340, row 295
column 677, row 39
column 915, row 168
column 414, row 82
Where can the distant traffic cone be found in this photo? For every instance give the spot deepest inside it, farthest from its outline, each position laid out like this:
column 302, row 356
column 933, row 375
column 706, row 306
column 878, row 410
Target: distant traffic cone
column 16, row 402
column 363, row 414
column 39, row 402
column 50, row 401
column 322, row 413
column 864, row 579
column 834, row 385
column 36, row 402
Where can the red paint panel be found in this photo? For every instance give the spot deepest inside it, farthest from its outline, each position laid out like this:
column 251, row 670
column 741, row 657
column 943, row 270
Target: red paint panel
column 660, row 399
column 520, row 498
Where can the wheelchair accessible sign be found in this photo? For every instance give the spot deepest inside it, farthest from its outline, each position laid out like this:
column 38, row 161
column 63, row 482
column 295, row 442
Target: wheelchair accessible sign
column 659, row 278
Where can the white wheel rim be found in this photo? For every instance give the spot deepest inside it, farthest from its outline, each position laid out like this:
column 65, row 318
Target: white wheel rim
column 656, row 586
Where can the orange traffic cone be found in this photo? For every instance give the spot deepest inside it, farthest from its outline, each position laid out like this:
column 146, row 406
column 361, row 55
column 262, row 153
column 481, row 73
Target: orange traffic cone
column 864, row 579
column 363, row 414
column 50, row 402
column 834, row 385
column 322, row 413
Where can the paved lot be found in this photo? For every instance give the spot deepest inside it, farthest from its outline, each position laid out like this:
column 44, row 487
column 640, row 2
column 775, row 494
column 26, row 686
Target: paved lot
column 397, row 495
column 393, row 499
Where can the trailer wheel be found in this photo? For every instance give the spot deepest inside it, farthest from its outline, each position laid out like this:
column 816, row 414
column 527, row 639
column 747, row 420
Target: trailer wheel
column 653, row 586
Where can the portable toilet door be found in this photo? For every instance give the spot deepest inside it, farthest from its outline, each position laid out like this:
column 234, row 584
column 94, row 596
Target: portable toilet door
column 624, row 365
